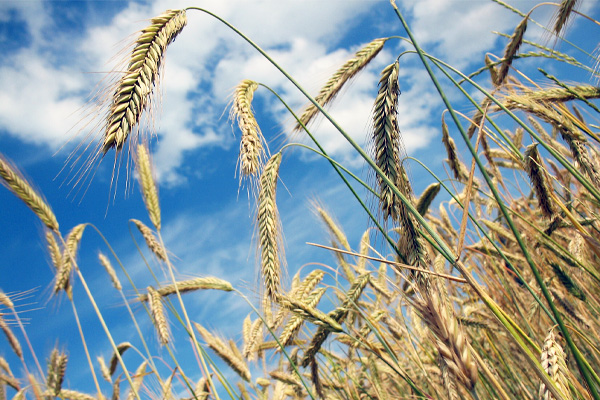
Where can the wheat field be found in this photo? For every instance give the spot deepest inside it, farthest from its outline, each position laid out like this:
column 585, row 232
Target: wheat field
column 484, row 285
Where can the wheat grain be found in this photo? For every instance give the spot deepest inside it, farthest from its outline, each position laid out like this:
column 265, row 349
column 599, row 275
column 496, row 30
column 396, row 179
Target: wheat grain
column 151, row 240
column 158, row 315
column 148, row 185
column 16, row 183
column 268, row 228
column 344, row 74
column 134, row 91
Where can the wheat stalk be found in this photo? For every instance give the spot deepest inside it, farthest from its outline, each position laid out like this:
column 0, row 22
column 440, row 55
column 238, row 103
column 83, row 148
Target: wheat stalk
column 148, row 185
column 346, row 72
column 134, row 91
column 16, row 183
column 268, row 228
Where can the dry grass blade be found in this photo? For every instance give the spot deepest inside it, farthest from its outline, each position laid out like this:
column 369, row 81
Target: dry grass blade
column 539, row 180
column 252, row 152
column 268, row 228
column 191, row 285
column 346, row 72
column 16, row 183
column 135, row 89
column 151, row 240
column 148, row 185
column 511, row 50
column 225, row 352
column 158, row 315
column 386, row 139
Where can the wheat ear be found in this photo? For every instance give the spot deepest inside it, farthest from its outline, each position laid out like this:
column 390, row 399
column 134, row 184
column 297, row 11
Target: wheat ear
column 252, row 152
column 386, row 138
column 268, row 228
column 70, row 395
column 57, row 365
column 134, row 91
column 10, row 336
column 158, row 315
column 225, row 352
column 539, row 180
column 511, row 50
column 564, row 12
column 16, row 183
column 114, row 359
column 554, row 363
column 151, row 240
column 346, row 72
column 63, row 275
column 105, row 262
column 148, row 185
column 191, row 285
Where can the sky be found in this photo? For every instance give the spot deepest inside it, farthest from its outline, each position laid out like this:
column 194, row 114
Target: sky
column 56, row 55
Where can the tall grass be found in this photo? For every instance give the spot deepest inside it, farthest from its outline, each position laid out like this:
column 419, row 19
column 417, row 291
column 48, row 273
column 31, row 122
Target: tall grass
column 491, row 294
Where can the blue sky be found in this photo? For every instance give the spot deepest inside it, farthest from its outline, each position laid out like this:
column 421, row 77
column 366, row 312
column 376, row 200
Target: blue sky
column 55, row 53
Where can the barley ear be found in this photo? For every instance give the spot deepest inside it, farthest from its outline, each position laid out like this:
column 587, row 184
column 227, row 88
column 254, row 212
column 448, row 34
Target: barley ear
column 344, row 74
column 148, row 185
column 14, row 181
column 268, row 228
column 134, row 90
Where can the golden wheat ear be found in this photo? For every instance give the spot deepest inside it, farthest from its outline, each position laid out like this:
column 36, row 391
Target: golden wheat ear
column 134, row 91
column 343, row 75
